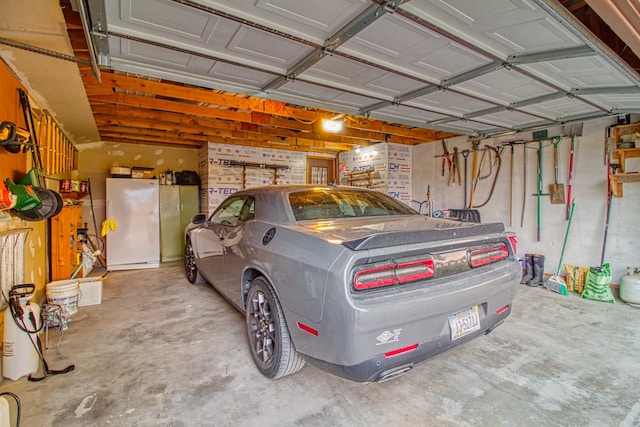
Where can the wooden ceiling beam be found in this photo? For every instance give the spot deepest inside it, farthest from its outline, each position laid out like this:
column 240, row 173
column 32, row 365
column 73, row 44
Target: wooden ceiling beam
column 123, row 112
column 177, row 91
column 107, row 123
column 132, row 139
column 151, row 134
column 420, row 134
column 195, row 110
column 262, row 109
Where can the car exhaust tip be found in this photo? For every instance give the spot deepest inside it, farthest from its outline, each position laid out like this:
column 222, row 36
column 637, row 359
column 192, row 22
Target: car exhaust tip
column 488, row 331
column 394, row 373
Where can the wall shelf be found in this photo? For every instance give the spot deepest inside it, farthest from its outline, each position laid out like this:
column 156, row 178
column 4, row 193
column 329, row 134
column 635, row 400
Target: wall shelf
column 73, row 194
column 361, row 178
column 616, row 180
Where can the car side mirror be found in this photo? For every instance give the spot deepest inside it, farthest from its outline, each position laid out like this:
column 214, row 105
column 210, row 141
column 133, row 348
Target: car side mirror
column 199, row 219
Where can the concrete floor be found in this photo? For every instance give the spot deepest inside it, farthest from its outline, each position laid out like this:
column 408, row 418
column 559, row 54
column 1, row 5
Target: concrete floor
column 161, row 352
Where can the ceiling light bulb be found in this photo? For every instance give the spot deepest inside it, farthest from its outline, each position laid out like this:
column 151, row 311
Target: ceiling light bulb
column 331, row 125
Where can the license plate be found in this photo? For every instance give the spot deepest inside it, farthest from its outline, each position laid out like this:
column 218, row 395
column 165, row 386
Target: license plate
column 464, row 322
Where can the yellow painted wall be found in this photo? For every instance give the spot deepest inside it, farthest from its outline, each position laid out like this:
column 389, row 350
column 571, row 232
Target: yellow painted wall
column 95, row 160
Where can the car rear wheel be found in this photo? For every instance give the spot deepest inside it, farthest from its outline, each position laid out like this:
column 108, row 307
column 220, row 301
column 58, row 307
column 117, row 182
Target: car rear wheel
column 271, row 346
column 193, row 275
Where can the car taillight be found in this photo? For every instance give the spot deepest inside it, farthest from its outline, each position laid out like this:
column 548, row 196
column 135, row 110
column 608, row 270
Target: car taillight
column 487, row 255
column 375, row 277
column 514, row 241
column 414, row 270
column 393, row 273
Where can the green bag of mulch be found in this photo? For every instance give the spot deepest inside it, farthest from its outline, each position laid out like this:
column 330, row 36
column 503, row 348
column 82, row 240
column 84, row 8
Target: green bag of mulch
column 596, row 286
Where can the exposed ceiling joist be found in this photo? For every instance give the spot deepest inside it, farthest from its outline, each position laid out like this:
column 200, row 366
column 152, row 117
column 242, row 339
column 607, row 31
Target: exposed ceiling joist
column 146, row 107
column 184, row 72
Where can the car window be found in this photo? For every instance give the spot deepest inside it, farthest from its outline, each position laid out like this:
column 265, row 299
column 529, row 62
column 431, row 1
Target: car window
column 344, row 203
column 228, row 212
column 248, row 210
column 234, row 211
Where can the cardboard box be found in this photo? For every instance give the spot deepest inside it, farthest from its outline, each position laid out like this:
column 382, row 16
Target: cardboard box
column 140, row 172
column 90, row 291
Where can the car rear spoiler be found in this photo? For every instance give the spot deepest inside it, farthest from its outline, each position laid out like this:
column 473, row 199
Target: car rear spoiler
column 417, row 236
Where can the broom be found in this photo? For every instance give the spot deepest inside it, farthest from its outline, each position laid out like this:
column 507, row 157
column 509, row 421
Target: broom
column 556, row 282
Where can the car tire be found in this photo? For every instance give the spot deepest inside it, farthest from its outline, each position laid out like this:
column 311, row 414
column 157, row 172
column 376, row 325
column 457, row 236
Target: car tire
column 271, row 347
column 193, row 275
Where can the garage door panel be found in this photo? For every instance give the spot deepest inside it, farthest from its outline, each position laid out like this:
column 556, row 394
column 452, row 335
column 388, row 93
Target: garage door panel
column 315, row 21
column 502, row 27
column 561, row 108
column 193, row 30
column 504, row 86
column 471, row 126
column 530, row 37
column 335, row 97
column 159, row 16
column 171, row 61
column 399, row 112
column 412, row 49
column 621, row 102
column 454, row 65
column 451, row 102
column 591, row 71
column 359, row 77
column 509, row 119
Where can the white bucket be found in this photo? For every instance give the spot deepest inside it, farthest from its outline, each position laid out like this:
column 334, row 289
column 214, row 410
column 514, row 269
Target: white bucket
column 64, row 292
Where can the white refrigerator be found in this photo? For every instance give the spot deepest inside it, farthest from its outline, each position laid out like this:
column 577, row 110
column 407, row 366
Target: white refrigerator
column 133, row 205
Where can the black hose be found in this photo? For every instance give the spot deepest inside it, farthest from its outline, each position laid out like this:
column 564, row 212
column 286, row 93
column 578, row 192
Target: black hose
column 8, row 393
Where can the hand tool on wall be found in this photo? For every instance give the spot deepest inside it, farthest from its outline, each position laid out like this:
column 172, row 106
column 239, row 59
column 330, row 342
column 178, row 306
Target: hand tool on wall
column 456, row 163
column 455, row 168
column 570, row 180
column 511, row 186
column 479, row 176
column 524, row 183
column 446, row 158
column 475, row 173
column 612, row 169
column 576, row 130
column 498, row 162
column 465, row 154
column 556, row 190
column 539, row 193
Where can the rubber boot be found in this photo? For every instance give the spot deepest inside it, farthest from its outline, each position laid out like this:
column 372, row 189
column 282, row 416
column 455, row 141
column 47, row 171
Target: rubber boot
column 528, row 268
column 538, row 271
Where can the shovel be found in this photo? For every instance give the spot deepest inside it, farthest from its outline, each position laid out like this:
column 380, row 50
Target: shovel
column 556, row 190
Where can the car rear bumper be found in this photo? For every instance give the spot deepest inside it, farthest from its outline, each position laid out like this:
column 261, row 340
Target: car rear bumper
column 381, row 367
column 374, row 336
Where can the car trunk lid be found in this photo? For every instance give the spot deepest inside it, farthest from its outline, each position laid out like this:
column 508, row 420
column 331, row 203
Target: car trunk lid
column 379, row 232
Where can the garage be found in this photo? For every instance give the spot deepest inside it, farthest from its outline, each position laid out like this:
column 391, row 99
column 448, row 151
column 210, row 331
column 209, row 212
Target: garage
column 515, row 119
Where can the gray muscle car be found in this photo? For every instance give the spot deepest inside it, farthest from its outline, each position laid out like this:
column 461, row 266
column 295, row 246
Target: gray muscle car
column 349, row 279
